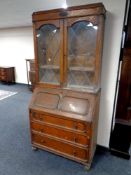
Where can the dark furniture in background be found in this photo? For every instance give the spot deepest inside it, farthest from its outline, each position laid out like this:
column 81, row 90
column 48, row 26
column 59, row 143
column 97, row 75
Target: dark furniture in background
column 30, row 68
column 65, row 104
column 121, row 133
column 32, row 74
column 7, row 74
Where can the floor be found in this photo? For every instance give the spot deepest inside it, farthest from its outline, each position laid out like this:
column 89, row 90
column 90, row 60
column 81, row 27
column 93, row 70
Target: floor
column 17, row 156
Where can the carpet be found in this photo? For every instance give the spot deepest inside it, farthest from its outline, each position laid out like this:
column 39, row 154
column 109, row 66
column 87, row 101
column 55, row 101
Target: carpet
column 4, row 94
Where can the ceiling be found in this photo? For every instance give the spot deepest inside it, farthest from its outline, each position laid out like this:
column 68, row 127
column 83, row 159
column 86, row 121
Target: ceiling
column 18, row 13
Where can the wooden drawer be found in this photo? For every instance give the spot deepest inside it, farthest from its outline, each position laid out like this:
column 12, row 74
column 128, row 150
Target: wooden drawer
column 3, row 77
column 61, row 133
column 2, row 70
column 3, row 73
column 62, row 121
column 62, row 147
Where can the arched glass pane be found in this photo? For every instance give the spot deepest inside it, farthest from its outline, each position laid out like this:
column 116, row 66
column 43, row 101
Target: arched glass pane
column 81, row 54
column 48, row 41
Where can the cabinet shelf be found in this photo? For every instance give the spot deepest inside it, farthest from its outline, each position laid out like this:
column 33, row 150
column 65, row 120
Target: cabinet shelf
column 50, row 67
column 90, row 89
column 76, row 68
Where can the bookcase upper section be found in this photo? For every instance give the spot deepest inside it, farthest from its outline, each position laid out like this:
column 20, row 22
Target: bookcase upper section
column 68, row 46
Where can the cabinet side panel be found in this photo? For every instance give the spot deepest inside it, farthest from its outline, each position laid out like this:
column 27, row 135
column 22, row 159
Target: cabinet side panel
column 94, row 128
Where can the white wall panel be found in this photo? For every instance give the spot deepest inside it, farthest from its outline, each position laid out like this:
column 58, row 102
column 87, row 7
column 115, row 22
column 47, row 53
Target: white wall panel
column 16, row 44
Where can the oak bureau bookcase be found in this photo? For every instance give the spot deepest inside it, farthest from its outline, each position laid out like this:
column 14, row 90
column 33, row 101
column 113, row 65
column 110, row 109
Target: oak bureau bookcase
column 65, row 104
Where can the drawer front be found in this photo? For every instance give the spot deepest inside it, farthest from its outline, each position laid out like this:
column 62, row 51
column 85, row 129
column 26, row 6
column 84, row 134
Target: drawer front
column 2, row 72
column 62, row 134
column 2, row 77
column 63, row 122
column 62, row 147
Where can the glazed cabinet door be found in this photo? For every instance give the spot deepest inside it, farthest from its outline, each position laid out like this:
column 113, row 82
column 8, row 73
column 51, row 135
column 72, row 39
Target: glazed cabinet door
column 48, row 52
column 82, row 51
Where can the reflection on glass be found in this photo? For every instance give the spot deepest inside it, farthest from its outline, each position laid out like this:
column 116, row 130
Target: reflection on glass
column 73, row 108
column 48, row 40
column 75, row 105
column 81, row 53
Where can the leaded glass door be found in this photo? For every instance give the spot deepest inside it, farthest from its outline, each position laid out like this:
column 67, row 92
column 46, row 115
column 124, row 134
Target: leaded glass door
column 49, row 48
column 82, row 35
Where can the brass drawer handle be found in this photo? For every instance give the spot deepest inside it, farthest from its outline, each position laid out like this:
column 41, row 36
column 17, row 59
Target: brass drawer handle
column 75, row 126
column 74, row 153
column 41, row 118
column 42, row 130
column 75, row 139
column 85, row 128
column 88, row 137
column 66, row 138
column 42, row 141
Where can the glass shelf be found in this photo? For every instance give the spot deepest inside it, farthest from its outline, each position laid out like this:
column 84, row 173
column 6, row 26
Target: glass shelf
column 91, row 89
column 50, row 67
column 77, row 68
